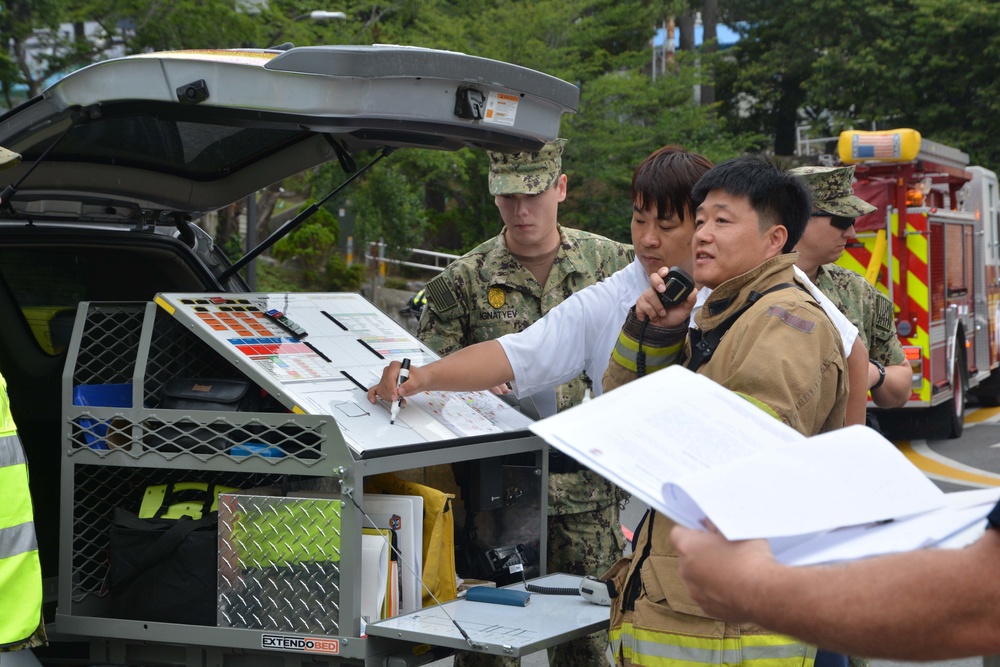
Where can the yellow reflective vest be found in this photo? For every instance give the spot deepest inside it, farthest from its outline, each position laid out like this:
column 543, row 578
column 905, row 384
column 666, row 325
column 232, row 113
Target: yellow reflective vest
column 20, row 571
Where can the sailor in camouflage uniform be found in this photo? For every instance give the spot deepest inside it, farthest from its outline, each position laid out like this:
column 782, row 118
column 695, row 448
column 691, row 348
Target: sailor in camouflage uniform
column 835, row 207
column 504, row 285
column 831, row 227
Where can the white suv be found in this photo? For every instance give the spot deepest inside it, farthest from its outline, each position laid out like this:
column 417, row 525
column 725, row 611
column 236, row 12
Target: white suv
column 121, row 157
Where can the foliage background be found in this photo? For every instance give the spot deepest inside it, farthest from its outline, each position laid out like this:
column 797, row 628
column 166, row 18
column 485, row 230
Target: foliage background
column 826, row 64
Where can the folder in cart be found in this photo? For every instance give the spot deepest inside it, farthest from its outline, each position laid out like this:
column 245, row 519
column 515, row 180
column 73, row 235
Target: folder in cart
column 404, row 515
column 374, row 575
column 390, row 603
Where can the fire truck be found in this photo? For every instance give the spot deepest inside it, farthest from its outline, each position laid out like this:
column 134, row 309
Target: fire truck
column 931, row 247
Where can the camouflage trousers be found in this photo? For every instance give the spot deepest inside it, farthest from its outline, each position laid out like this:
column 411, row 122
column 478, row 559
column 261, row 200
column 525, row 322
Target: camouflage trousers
column 584, row 537
column 36, row 639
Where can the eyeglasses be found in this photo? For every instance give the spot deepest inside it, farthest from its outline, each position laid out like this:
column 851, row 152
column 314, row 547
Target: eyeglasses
column 841, row 222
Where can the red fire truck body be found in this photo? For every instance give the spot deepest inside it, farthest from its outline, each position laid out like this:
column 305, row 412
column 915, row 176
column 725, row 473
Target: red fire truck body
column 932, row 248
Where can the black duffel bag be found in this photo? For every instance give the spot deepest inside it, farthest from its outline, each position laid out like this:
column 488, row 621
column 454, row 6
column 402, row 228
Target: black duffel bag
column 166, row 570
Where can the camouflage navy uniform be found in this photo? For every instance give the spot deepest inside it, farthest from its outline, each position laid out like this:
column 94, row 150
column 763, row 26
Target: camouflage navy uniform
column 867, row 309
column 487, row 293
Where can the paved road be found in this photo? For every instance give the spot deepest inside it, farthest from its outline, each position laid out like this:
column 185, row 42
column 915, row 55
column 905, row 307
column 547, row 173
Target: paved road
column 972, row 461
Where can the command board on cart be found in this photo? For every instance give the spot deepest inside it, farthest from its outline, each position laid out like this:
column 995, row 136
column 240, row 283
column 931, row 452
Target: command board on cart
column 312, row 357
column 320, row 353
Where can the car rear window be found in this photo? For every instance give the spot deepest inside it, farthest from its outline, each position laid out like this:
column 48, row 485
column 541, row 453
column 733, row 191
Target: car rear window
column 198, row 150
column 47, row 283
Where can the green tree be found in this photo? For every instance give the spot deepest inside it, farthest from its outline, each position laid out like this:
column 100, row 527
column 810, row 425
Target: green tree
column 575, row 40
column 941, row 77
column 390, row 208
column 926, row 64
column 150, row 25
column 343, row 278
column 765, row 80
column 624, row 116
column 30, row 28
column 459, row 207
column 311, row 244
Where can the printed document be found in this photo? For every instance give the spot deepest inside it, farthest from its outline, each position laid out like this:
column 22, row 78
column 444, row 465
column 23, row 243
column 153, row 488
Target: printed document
column 693, row 450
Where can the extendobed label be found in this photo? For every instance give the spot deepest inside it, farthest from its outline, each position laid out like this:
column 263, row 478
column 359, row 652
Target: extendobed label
column 303, row 644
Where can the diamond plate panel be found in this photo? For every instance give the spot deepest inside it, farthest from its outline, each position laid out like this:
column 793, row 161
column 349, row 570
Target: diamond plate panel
column 279, row 564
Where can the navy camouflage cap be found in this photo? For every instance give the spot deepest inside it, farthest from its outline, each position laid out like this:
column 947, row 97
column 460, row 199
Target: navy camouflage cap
column 8, row 158
column 832, row 192
column 526, row 173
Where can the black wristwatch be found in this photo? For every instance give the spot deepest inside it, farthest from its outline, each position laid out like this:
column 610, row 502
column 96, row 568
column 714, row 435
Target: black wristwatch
column 881, row 374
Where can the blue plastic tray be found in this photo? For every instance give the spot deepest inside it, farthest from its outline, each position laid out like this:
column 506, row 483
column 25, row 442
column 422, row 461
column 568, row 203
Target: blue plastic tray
column 101, row 396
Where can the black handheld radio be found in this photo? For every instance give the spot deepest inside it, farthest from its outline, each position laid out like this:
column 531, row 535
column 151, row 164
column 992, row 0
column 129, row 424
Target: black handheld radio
column 678, row 286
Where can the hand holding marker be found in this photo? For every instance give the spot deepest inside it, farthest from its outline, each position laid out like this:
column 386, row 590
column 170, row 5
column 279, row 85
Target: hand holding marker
column 404, row 373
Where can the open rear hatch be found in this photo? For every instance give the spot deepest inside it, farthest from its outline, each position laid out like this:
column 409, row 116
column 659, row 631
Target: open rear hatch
column 189, row 132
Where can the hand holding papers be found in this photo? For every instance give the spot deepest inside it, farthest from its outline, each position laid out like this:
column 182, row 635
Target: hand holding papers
column 693, row 450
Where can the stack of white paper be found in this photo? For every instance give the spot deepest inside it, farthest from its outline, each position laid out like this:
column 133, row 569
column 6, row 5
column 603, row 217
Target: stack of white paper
column 693, row 450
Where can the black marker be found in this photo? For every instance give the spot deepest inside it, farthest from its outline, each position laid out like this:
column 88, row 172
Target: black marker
column 404, row 374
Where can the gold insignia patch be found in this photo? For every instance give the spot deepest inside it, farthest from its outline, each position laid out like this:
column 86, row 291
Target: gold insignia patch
column 496, row 297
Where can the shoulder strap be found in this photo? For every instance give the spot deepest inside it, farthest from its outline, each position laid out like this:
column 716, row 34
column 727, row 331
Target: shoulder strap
column 633, row 585
column 703, row 345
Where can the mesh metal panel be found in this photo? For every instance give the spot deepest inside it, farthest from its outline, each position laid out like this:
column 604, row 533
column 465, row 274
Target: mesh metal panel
column 279, row 564
column 108, row 355
column 109, row 344
column 98, row 489
column 177, row 352
column 234, row 436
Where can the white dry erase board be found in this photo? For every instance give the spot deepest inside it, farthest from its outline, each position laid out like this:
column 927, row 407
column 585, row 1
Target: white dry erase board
column 319, row 352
